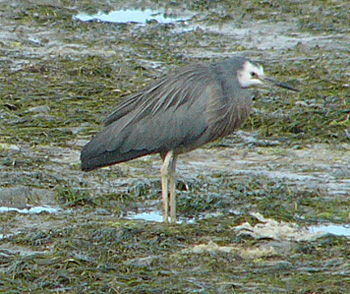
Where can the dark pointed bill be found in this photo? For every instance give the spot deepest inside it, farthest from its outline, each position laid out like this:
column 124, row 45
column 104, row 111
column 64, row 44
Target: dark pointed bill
column 280, row 84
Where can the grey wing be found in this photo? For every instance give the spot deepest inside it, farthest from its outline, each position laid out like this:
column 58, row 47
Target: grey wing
column 178, row 88
column 169, row 115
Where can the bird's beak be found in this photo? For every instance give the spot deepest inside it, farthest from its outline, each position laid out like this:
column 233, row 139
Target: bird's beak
column 279, row 84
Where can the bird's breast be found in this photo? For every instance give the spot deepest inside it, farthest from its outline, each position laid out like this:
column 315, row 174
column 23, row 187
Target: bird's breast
column 229, row 114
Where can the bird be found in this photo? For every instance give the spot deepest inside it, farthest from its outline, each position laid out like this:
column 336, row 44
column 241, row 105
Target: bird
column 191, row 106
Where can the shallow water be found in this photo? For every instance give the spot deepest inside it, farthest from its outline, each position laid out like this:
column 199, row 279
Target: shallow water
column 31, row 210
column 337, row 230
column 125, row 16
column 154, row 216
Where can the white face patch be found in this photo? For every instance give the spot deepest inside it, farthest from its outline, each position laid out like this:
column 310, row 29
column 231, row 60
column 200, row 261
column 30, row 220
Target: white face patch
column 250, row 75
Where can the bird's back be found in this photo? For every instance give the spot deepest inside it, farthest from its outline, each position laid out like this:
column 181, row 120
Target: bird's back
column 182, row 111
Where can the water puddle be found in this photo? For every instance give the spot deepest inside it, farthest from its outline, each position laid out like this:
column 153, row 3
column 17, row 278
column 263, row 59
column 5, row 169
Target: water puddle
column 156, row 216
column 127, row 16
column 337, row 230
column 153, row 216
column 31, row 210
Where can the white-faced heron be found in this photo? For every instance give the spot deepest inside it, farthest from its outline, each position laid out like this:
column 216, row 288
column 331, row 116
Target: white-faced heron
column 182, row 111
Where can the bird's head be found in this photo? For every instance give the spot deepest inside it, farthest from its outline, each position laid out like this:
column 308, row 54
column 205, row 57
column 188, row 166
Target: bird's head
column 252, row 74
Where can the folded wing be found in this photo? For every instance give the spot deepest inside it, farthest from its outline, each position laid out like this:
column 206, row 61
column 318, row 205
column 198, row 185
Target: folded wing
column 171, row 114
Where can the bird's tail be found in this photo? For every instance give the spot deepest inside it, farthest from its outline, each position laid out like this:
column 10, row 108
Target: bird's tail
column 94, row 156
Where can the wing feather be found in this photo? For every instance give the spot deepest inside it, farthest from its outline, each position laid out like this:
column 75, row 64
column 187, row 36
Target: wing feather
column 175, row 89
column 171, row 114
column 180, row 112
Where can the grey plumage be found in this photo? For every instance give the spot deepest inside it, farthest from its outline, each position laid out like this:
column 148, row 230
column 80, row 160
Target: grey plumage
column 182, row 111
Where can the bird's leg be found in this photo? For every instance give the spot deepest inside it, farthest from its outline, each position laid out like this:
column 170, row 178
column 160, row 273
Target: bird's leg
column 172, row 189
column 165, row 200
column 168, row 186
column 164, row 172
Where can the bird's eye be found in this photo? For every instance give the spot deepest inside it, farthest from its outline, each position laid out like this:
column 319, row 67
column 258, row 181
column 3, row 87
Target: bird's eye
column 253, row 74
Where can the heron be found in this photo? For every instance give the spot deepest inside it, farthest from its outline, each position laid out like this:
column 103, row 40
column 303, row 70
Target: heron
column 180, row 112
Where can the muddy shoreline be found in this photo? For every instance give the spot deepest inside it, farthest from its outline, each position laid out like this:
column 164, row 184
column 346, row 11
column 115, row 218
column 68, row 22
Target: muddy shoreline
column 285, row 171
